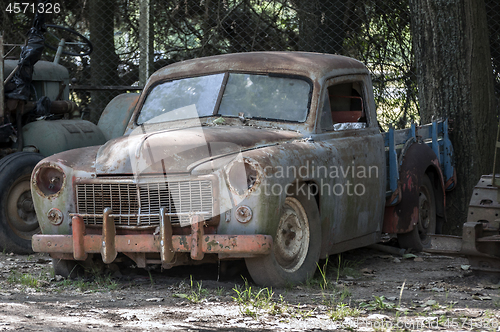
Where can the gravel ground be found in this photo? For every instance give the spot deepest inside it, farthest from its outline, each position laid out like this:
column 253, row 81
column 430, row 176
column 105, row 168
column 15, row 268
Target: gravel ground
column 362, row 290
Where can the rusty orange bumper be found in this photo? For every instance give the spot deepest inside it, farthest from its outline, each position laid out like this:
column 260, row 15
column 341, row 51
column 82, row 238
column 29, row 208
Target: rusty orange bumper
column 109, row 244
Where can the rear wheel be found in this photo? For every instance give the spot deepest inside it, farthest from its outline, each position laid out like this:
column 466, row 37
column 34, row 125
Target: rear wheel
column 419, row 238
column 18, row 220
column 296, row 246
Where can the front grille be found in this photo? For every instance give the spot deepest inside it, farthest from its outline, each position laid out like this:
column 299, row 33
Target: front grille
column 135, row 204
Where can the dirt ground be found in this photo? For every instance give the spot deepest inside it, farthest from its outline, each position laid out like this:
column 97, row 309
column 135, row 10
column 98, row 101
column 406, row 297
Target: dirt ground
column 361, row 290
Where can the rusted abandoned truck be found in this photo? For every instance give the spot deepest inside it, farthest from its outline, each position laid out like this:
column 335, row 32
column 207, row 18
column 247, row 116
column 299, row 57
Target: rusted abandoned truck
column 272, row 157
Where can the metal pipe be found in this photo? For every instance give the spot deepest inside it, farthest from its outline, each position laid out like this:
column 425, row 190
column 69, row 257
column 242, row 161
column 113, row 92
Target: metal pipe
column 11, row 74
column 19, row 120
column 59, row 51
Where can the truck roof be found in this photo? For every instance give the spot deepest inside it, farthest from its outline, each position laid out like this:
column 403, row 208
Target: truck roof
column 312, row 65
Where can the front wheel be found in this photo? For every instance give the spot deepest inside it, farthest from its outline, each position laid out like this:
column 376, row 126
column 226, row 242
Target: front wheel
column 296, row 246
column 18, row 221
column 419, row 238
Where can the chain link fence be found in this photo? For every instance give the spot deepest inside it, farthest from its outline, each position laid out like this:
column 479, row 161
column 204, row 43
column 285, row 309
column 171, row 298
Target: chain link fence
column 132, row 39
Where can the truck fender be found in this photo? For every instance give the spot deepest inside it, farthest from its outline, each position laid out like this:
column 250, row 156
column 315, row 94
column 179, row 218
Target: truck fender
column 418, row 161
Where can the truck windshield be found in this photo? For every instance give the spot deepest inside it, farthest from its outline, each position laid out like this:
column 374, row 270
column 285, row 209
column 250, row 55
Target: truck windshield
column 251, row 95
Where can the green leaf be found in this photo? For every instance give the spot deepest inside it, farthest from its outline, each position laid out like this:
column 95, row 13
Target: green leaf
column 406, row 256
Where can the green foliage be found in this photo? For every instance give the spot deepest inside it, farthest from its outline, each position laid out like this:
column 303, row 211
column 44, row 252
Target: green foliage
column 196, row 292
column 24, row 279
column 378, row 303
column 342, row 311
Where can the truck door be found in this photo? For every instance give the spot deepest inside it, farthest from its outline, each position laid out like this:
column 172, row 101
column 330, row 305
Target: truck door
column 352, row 194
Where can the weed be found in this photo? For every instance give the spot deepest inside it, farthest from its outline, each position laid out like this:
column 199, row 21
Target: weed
column 342, row 311
column 378, row 303
column 344, row 293
column 13, row 277
column 346, row 267
column 151, row 280
column 401, row 293
column 25, row 279
column 219, row 291
column 29, row 281
column 248, row 295
column 322, row 270
column 278, row 308
column 301, row 313
column 197, row 293
column 106, row 282
column 329, row 300
column 252, row 302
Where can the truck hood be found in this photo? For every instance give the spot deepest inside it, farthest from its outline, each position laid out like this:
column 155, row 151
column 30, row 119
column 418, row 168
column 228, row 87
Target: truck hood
column 180, row 150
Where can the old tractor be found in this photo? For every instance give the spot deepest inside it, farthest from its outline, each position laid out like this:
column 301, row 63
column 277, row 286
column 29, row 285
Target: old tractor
column 37, row 120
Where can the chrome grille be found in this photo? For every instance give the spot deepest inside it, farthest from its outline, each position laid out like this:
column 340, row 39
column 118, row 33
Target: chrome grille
column 139, row 204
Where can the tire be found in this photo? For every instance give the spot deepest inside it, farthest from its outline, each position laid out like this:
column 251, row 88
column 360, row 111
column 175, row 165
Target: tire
column 18, row 220
column 419, row 238
column 296, row 247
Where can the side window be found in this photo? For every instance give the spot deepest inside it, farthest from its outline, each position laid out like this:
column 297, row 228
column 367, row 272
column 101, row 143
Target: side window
column 346, row 106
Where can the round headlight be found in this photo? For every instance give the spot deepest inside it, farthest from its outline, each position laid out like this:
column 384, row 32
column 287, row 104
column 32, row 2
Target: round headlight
column 243, row 175
column 49, row 180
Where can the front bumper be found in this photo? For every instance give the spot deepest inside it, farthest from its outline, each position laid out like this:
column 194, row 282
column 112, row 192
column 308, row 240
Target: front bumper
column 79, row 244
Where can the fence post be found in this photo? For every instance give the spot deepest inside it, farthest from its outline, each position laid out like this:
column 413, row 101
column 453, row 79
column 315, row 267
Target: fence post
column 145, row 41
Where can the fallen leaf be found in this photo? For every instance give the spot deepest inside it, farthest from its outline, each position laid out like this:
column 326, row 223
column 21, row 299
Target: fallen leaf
column 406, row 256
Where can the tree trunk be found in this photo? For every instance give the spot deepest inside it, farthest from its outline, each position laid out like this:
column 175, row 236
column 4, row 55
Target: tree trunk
column 455, row 80
column 493, row 13
column 103, row 60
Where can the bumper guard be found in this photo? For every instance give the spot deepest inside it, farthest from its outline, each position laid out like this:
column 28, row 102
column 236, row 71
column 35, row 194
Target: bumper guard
column 79, row 244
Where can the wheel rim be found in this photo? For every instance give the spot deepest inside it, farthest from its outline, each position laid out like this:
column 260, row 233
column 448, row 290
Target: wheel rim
column 293, row 236
column 20, row 211
column 425, row 220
